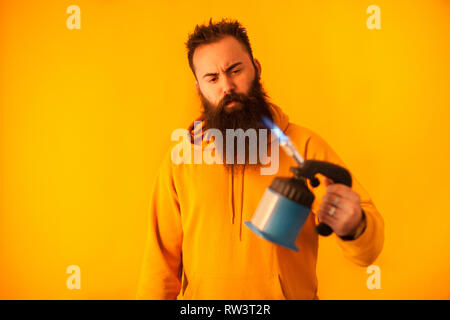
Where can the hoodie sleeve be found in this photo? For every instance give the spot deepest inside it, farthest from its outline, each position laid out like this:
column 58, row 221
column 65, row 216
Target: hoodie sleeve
column 365, row 249
column 161, row 269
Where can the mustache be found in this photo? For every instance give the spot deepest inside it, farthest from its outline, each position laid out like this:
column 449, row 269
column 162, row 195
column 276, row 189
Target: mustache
column 233, row 96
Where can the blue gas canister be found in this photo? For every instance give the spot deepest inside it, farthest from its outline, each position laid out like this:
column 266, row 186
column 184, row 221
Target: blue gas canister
column 286, row 204
column 282, row 212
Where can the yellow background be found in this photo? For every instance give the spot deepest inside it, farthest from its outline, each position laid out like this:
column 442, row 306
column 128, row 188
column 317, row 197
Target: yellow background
column 85, row 116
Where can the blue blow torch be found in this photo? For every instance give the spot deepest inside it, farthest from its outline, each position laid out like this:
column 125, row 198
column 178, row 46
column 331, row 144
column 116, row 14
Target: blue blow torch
column 286, row 204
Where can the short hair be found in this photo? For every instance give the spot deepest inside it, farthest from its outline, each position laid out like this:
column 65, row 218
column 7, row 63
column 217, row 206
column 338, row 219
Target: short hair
column 215, row 31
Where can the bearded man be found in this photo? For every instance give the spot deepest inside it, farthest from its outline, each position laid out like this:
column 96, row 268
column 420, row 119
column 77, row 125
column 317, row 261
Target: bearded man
column 197, row 245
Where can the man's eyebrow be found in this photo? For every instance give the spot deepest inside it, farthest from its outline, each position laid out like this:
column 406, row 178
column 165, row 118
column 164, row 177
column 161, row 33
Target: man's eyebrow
column 228, row 69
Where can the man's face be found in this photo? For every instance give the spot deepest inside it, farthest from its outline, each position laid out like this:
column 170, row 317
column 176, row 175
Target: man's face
column 230, row 90
column 221, row 68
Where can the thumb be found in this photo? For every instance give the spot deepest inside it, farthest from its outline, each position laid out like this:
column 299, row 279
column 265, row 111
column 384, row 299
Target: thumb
column 327, row 181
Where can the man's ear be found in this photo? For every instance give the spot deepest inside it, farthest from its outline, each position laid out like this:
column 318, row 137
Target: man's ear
column 258, row 66
column 197, row 87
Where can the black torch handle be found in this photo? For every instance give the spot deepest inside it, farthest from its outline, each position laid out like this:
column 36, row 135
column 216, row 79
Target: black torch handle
column 338, row 174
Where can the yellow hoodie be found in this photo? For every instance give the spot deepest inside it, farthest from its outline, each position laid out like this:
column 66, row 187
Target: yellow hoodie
column 199, row 248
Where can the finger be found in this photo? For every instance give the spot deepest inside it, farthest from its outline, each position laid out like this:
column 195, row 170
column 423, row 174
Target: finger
column 325, row 218
column 342, row 191
column 327, row 181
column 332, row 199
column 342, row 211
column 338, row 188
column 344, row 205
column 336, row 213
column 328, row 214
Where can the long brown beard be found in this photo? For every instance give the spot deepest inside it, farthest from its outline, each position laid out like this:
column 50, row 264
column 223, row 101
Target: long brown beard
column 247, row 115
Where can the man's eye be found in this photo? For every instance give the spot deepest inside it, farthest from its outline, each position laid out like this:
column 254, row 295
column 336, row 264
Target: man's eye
column 212, row 80
column 236, row 71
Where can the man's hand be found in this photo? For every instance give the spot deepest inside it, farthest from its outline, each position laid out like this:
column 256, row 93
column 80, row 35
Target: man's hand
column 340, row 209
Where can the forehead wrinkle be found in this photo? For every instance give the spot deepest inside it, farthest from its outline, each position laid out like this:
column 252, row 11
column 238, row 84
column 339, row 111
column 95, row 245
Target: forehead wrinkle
column 225, row 69
column 234, row 53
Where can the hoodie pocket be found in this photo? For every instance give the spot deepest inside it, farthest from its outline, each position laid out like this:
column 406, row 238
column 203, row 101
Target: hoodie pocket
column 264, row 287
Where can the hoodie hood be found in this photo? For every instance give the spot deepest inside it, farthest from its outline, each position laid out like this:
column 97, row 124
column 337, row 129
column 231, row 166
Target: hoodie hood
column 198, row 129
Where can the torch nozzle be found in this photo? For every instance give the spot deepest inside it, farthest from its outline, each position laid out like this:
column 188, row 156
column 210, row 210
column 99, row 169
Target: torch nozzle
column 292, row 151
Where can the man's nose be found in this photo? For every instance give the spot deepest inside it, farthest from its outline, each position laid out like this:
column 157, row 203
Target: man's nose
column 228, row 85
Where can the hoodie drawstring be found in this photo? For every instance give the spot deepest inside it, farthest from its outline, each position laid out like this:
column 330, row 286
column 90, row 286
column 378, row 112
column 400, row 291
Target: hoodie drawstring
column 233, row 200
column 242, row 204
column 231, row 194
